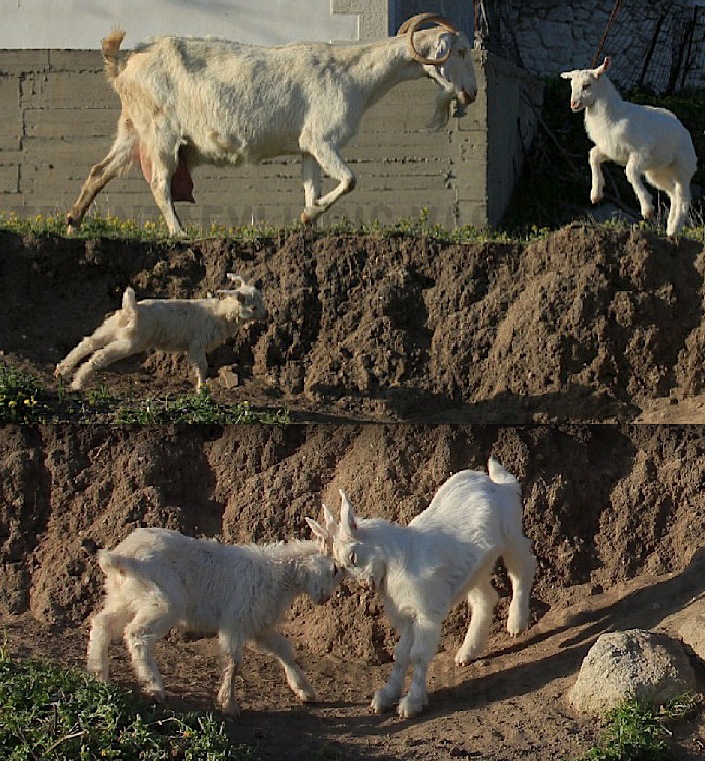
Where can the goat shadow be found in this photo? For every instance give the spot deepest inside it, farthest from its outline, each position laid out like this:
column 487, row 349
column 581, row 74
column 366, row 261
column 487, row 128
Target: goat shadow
column 568, row 640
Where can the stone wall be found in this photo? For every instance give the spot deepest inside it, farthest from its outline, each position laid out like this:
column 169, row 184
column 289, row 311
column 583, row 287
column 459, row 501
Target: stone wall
column 646, row 39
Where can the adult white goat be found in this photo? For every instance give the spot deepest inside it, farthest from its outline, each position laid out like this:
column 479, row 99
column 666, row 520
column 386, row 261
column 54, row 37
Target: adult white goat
column 445, row 555
column 189, row 101
column 194, row 326
column 646, row 140
column 157, row 579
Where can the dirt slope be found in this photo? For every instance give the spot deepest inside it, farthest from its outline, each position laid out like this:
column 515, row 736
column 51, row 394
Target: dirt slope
column 588, row 324
column 616, row 515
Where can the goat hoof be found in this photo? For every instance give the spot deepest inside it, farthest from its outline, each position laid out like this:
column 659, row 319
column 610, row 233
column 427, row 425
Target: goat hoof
column 307, row 696
column 377, row 705
column 407, row 709
column 230, row 708
column 595, row 199
column 155, row 694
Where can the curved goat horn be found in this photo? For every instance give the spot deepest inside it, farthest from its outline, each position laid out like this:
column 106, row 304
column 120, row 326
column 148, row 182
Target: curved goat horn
column 410, row 27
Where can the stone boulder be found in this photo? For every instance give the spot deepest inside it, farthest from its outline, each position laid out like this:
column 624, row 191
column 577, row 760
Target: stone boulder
column 652, row 668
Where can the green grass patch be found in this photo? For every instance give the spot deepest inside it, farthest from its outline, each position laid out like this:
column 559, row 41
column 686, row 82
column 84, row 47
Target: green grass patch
column 51, row 712
column 21, row 397
column 195, row 408
column 97, row 226
column 24, row 400
column 637, row 732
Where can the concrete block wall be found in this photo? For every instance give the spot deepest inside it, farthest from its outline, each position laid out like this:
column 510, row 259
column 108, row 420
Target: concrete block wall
column 60, row 115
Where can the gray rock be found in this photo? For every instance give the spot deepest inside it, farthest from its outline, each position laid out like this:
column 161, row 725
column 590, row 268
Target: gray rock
column 650, row 667
column 692, row 629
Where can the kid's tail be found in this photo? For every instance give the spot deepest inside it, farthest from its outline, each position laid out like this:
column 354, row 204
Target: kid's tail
column 500, row 475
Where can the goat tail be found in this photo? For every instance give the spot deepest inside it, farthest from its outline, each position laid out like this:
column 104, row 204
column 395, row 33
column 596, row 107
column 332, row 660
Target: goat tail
column 129, row 302
column 114, row 63
column 499, row 474
column 113, row 563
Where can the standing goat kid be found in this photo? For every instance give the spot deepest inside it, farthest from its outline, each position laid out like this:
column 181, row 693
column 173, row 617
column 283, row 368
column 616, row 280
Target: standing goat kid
column 157, row 579
column 188, row 101
column 646, row 140
column 445, row 555
column 193, row 326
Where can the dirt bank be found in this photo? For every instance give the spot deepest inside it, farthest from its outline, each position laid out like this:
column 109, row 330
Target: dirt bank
column 616, row 515
column 587, row 324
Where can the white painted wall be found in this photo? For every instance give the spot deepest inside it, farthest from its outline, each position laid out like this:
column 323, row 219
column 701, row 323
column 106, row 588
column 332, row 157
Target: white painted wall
column 80, row 24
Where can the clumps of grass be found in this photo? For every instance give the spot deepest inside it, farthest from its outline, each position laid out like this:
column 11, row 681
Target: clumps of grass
column 196, row 408
column 108, row 226
column 21, row 397
column 23, row 400
column 638, row 732
column 52, row 712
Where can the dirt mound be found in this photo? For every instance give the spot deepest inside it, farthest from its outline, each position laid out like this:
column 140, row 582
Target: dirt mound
column 588, row 324
column 611, row 510
column 603, row 504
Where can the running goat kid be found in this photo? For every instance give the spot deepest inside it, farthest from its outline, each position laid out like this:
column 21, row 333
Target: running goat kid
column 192, row 326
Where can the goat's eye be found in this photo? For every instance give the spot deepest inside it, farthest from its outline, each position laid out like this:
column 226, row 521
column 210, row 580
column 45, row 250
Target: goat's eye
column 587, row 86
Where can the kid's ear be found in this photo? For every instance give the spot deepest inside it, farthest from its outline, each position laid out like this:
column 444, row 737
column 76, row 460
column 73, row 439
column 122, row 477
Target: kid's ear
column 348, row 521
column 329, row 518
column 236, row 280
column 602, row 68
column 319, row 532
column 567, row 74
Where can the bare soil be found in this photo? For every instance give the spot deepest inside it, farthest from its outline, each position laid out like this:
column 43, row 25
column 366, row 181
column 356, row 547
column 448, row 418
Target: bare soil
column 590, row 324
column 616, row 514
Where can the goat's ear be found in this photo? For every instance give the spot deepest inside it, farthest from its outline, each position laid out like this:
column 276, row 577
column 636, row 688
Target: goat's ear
column 329, row 518
column 567, row 74
column 348, row 521
column 319, row 532
column 602, row 68
column 442, row 45
column 236, row 280
column 238, row 295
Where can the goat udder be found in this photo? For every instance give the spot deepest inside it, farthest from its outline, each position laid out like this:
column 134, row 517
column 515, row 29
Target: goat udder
column 181, row 182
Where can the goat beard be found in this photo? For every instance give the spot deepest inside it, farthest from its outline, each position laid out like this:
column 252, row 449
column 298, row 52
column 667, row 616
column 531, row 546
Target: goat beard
column 441, row 114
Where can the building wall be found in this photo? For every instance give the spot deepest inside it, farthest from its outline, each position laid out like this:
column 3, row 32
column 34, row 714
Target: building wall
column 80, row 24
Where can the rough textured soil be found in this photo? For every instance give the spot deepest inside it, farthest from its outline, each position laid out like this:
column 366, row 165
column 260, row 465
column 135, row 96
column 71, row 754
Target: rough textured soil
column 616, row 514
column 590, row 324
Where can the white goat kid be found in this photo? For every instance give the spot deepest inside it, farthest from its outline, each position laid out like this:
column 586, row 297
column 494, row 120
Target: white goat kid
column 157, row 579
column 193, row 326
column 188, row 101
column 445, row 555
column 646, row 140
